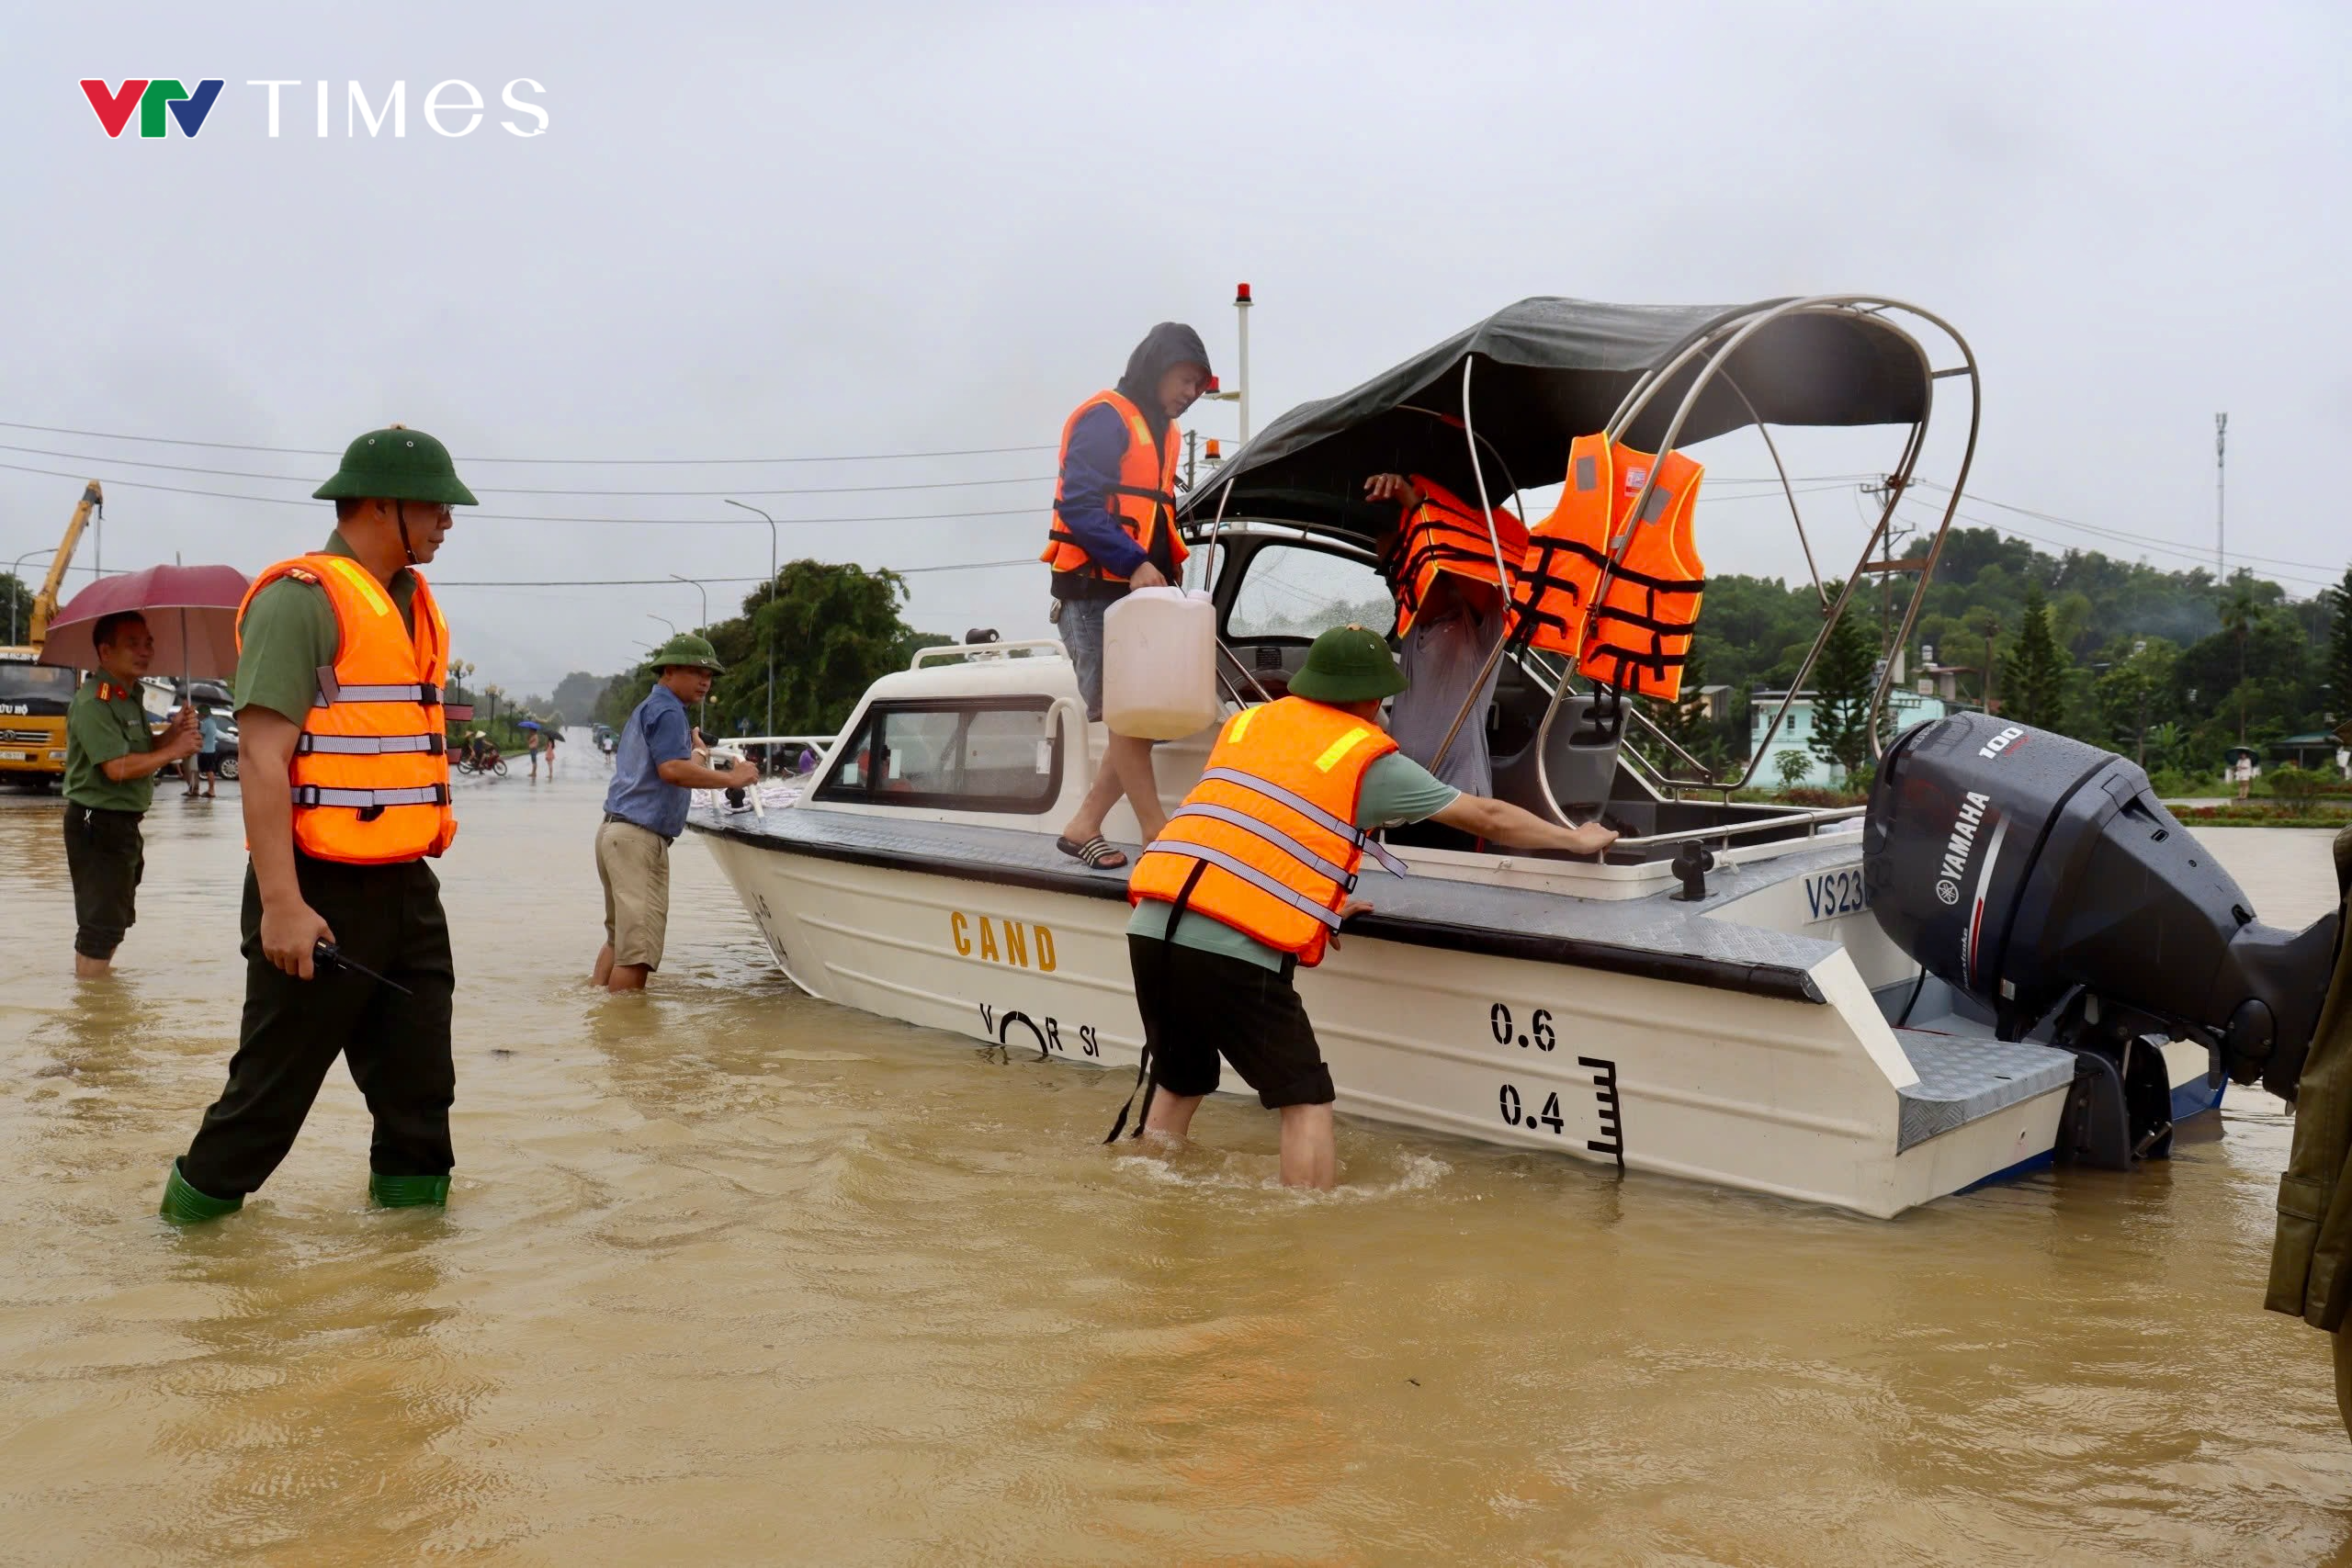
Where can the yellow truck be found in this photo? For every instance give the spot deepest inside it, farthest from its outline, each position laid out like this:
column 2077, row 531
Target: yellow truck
column 34, row 696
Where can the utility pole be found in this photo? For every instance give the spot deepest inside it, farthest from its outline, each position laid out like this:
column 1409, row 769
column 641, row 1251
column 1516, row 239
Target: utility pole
column 1887, row 566
column 2220, row 450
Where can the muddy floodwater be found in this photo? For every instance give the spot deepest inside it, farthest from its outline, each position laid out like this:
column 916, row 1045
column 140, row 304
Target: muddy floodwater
column 728, row 1275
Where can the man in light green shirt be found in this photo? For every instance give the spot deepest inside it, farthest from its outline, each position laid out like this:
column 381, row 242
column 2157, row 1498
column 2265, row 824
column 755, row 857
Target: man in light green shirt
column 111, row 761
column 1210, row 990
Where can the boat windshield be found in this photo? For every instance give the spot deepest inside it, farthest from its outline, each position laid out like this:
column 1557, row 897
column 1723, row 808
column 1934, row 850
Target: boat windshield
column 1300, row 590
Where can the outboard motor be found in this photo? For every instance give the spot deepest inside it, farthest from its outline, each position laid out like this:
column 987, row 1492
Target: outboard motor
column 2043, row 878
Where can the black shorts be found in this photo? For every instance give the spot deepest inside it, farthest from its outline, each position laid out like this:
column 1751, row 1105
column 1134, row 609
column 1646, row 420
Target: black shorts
column 208, row 761
column 1196, row 1005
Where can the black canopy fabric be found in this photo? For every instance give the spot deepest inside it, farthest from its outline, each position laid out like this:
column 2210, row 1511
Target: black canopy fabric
column 1549, row 370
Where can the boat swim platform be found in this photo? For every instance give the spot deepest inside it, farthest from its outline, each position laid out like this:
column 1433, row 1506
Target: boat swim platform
column 1964, row 1078
column 1653, row 937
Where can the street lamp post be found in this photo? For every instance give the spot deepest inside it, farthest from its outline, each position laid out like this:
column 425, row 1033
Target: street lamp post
column 770, row 639
column 701, row 708
column 699, row 589
column 14, row 572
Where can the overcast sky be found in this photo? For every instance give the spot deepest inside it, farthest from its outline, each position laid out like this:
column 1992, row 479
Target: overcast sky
column 767, row 230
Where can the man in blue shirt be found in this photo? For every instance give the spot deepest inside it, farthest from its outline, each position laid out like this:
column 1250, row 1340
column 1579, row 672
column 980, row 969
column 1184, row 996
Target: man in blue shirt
column 1101, row 554
column 654, row 776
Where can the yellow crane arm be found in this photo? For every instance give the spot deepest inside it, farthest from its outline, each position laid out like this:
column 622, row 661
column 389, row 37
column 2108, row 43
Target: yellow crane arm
column 45, row 602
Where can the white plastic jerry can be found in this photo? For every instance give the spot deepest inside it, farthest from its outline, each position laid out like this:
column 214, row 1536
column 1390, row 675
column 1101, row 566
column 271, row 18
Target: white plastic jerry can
column 1159, row 664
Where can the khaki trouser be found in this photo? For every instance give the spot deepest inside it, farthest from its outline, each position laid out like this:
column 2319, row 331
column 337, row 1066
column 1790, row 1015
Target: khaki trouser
column 634, row 864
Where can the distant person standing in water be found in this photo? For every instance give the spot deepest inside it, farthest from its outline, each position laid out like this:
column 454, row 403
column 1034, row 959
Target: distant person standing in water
column 111, row 761
column 654, row 778
column 533, row 746
column 210, row 730
column 553, row 737
column 1114, row 530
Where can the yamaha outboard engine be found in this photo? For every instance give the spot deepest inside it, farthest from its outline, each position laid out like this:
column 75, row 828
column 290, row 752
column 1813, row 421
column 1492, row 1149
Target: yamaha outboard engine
column 2043, row 878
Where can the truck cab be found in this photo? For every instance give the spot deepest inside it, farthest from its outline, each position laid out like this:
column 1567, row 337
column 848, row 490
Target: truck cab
column 33, row 699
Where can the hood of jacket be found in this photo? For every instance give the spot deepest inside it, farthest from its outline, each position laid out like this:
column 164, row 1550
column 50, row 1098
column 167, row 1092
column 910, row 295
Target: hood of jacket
column 1163, row 348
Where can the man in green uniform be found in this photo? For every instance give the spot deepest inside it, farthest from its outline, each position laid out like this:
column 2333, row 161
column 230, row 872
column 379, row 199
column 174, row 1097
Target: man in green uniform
column 392, row 496
column 111, row 761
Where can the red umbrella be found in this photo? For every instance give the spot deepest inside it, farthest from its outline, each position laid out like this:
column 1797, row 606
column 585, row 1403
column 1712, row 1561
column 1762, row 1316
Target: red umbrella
column 191, row 610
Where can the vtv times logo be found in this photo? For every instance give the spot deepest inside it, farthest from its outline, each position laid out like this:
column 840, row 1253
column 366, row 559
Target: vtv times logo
column 150, row 98
column 451, row 109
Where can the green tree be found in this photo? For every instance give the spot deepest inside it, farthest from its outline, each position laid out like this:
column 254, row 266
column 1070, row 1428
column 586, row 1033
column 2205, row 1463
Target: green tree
column 2037, row 674
column 575, row 696
column 2134, row 697
column 1843, row 680
column 2337, row 667
column 16, row 607
column 1685, row 722
column 834, row 630
column 2237, row 623
column 1792, row 766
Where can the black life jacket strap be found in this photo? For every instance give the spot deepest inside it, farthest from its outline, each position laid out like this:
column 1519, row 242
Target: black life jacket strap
column 1143, row 1061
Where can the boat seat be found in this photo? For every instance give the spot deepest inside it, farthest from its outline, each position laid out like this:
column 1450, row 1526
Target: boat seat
column 1580, row 760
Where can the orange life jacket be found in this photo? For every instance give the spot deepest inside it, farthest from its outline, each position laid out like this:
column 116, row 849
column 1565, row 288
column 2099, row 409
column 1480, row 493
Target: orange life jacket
column 371, row 768
column 1267, row 843
column 1445, row 534
column 1638, row 635
column 1144, row 500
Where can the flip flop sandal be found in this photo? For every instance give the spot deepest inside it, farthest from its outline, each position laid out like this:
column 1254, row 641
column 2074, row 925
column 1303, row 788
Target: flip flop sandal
column 1096, row 854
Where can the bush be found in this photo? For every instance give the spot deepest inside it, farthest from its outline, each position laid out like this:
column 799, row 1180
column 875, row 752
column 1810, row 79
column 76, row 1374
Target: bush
column 2170, row 782
column 2288, row 782
column 1814, row 795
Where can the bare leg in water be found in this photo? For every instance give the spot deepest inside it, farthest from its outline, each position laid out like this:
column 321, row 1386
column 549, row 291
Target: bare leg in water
column 1310, row 1151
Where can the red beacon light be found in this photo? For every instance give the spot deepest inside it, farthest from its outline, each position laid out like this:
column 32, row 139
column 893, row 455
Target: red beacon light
column 1210, row 389
column 1216, row 450
column 1242, row 294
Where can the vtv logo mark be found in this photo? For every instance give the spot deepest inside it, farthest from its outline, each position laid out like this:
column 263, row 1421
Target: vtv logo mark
column 151, row 98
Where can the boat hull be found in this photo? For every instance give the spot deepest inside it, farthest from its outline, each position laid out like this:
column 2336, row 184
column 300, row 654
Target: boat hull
column 1799, row 1096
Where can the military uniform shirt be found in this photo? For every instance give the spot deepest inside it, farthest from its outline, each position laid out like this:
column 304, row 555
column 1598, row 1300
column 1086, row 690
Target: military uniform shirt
column 97, row 730
column 289, row 635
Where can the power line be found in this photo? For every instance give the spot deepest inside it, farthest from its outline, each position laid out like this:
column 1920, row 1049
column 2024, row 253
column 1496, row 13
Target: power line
column 2182, row 551
column 568, row 462
column 501, row 489
column 471, row 514
column 2120, row 535
column 707, row 581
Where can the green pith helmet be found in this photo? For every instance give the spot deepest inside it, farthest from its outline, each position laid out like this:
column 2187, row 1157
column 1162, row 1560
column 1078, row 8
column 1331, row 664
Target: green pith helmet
column 1348, row 664
column 687, row 650
column 397, row 464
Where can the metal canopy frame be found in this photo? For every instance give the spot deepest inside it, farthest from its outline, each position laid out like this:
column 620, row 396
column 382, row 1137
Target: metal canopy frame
column 1712, row 349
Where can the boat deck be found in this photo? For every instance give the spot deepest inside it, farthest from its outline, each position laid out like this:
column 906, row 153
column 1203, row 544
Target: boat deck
column 1656, row 937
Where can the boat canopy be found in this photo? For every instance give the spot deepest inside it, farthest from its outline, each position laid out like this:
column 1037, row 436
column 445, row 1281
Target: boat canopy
column 1548, row 370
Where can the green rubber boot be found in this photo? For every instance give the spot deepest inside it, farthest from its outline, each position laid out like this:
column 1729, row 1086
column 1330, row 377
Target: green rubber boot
column 407, row 1191
column 184, row 1205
